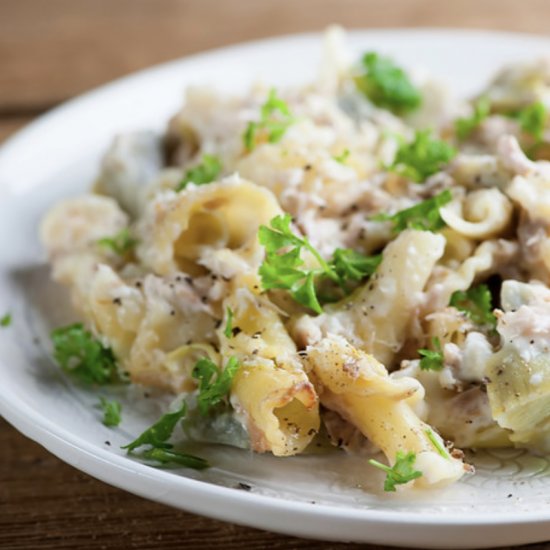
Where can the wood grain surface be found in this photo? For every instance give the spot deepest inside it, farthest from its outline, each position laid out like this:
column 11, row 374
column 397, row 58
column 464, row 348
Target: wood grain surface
column 51, row 50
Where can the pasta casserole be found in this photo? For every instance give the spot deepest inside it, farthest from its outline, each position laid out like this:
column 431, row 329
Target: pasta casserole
column 364, row 259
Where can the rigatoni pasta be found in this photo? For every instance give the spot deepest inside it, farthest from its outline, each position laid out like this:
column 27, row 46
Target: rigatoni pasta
column 362, row 259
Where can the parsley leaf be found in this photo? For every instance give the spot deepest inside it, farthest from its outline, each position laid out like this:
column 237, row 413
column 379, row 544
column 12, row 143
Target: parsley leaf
column 228, row 330
column 167, row 456
column 350, row 264
column 432, row 359
column 205, row 172
column 436, row 443
column 401, row 472
column 120, row 243
column 80, row 354
column 422, row 157
column 275, row 118
column 342, row 157
column 160, row 432
column 465, row 126
column 387, row 85
column 286, row 270
column 5, row 321
column 160, row 451
column 214, row 383
column 111, row 412
column 532, row 120
column 424, row 215
column 476, row 302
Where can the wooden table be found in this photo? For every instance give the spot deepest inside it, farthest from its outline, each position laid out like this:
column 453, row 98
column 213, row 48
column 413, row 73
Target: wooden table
column 52, row 50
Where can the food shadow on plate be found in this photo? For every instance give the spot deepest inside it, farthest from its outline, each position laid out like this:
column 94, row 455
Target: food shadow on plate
column 38, row 305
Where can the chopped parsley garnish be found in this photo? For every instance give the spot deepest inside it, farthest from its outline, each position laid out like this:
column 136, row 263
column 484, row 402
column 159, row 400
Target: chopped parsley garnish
column 214, row 383
column 160, row 432
column 157, row 436
column 422, row 157
column 205, row 172
column 424, row 215
column 401, row 472
column 342, row 157
column 288, row 272
column 5, row 320
column 436, row 443
column 350, row 264
column 476, row 303
column 387, row 85
column 120, row 243
column 532, row 120
column 465, row 126
column 432, row 359
column 228, row 330
column 111, row 412
column 275, row 118
column 80, row 354
column 168, row 456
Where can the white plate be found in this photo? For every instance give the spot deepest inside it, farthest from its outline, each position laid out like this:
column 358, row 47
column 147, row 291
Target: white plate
column 329, row 497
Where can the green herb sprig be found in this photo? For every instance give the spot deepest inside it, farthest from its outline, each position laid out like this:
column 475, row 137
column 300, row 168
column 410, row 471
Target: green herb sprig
column 275, row 118
column 286, row 270
column 203, row 173
column 387, row 85
column 465, row 126
column 228, row 330
column 401, row 472
column 422, row 157
column 111, row 412
column 83, row 356
column 436, row 443
column 351, row 265
column 342, row 157
column 424, row 216
column 532, row 120
column 476, row 303
column 432, row 359
column 5, row 320
column 120, row 243
column 214, row 383
column 160, row 450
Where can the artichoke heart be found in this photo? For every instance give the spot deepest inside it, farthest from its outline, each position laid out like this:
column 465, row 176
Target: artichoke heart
column 519, row 392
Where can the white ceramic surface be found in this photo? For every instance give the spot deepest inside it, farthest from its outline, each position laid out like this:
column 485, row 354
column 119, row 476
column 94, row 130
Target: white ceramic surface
column 327, row 497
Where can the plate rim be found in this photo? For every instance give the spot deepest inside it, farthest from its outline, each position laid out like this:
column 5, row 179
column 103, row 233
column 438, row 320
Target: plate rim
column 67, row 446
